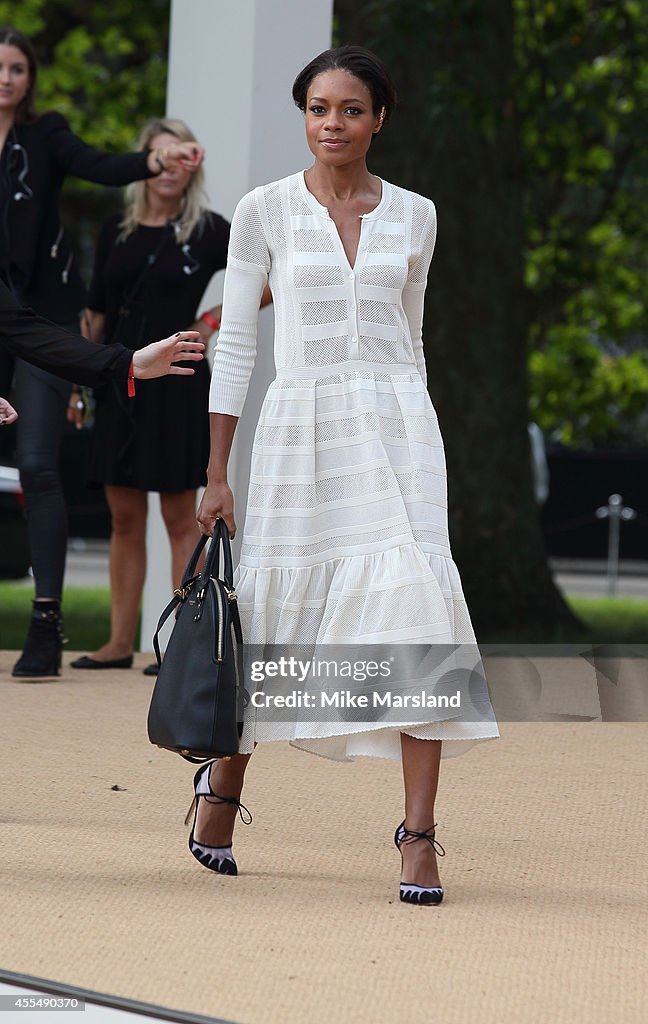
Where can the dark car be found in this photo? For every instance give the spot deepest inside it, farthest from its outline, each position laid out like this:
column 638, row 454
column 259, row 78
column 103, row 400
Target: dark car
column 14, row 546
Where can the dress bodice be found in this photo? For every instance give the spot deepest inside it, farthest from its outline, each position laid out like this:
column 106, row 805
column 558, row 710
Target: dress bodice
column 326, row 312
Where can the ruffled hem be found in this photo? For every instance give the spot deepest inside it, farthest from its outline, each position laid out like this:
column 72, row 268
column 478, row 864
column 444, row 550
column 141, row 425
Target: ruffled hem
column 398, row 596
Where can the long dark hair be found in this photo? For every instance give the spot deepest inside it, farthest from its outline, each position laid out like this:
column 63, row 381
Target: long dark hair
column 356, row 61
column 25, row 111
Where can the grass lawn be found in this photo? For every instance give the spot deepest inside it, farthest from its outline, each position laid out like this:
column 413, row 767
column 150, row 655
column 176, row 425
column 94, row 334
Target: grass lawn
column 87, row 616
column 609, row 620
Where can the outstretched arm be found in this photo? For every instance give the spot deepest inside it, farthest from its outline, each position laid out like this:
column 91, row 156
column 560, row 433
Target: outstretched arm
column 76, row 157
column 72, row 357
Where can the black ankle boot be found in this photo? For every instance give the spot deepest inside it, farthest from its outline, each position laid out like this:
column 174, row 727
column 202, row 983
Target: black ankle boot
column 44, row 644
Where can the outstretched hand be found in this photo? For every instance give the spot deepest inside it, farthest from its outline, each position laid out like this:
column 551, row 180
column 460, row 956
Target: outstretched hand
column 157, row 359
column 7, row 413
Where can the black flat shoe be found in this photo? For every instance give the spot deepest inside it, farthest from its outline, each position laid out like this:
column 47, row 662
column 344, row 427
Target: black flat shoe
column 215, row 858
column 419, row 895
column 87, row 662
column 151, row 670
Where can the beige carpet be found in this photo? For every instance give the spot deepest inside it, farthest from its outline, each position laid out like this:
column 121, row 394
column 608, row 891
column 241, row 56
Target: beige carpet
column 545, row 915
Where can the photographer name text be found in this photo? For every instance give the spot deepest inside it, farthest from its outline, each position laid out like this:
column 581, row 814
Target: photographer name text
column 349, row 699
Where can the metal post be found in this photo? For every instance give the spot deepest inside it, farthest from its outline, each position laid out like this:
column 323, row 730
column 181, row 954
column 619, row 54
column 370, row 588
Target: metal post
column 614, row 512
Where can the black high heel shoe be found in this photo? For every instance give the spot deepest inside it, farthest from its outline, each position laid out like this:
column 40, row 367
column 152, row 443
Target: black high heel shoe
column 420, row 895
column 215, row 858
column 44, row 642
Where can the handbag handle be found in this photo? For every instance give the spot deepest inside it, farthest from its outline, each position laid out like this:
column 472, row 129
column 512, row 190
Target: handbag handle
column 190, row 571
column 212, row 562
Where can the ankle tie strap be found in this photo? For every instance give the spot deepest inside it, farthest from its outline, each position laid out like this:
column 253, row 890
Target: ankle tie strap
column 242, row 811
column 408, row 835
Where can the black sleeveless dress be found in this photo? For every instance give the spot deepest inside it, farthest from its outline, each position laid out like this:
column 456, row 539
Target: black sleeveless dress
column 148, row 287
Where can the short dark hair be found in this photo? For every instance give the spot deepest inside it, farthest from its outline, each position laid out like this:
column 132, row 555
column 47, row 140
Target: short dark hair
column 356, row 61
column 25, row 111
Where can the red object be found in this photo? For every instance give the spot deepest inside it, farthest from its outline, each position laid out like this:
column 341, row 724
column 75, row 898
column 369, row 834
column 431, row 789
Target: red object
column 211, row 321
column 131, row 380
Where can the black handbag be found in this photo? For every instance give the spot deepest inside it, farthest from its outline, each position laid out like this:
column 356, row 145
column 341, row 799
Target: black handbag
column 197, row 704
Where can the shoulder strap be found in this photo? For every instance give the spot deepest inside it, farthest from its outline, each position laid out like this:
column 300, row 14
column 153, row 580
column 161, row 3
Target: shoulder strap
column 175, row 600
column 151, row 260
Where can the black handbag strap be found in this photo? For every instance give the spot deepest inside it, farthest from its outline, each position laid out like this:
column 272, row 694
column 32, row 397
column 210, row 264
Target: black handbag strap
column 190, row 571
column 175, row 600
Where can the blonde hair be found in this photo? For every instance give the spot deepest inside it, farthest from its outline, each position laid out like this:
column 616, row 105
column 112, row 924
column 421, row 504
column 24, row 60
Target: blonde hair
column 194, row 210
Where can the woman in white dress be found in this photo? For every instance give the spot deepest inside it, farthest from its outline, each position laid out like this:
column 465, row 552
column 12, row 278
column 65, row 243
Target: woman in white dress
column 345, row 538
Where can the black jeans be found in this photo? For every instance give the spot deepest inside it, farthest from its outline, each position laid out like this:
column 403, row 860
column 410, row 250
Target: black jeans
column 41, row 401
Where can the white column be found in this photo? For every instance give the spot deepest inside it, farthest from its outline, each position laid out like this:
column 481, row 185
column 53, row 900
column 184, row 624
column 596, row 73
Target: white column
column 231, row 69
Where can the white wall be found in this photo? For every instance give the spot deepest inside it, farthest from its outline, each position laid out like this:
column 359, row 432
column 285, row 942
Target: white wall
column 231, row 68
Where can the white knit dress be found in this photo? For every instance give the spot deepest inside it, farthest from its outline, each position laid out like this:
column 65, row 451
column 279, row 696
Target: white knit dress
column 346, row 537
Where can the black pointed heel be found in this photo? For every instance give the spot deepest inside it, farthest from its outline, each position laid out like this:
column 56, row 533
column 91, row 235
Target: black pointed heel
column 215, row 858
column 419, row 895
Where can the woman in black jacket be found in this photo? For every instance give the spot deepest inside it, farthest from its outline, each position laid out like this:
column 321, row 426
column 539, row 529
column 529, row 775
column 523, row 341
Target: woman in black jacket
column 38, row 266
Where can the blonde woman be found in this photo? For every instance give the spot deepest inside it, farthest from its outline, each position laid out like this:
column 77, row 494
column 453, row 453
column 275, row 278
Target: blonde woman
column 153, row 264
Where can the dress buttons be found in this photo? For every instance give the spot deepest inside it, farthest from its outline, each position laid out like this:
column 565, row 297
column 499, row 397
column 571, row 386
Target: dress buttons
column 354, row 340
column 351, row 276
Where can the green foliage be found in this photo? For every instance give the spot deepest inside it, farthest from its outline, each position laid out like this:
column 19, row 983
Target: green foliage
column 582, row 397
column 102, row 65
column 583, row 101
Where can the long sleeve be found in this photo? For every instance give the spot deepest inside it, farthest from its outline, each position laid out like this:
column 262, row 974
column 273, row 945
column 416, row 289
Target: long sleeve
column 414, row 290
column 51, row 348
column 76, row 157
column 248, row 266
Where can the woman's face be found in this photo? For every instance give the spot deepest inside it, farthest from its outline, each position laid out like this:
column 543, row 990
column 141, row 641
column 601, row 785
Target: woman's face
column 340, row 121
column 15, row 78
column 172, row 183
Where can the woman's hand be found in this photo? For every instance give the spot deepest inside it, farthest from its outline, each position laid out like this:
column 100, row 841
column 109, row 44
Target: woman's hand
column 187, row 155
column 76, row 410
column 157, row 359
column 7, row 413
column 217, row 503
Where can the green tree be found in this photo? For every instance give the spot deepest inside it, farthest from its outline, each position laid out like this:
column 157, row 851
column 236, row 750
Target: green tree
column 102, row 65
column 584, row 102
column 525, row 121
